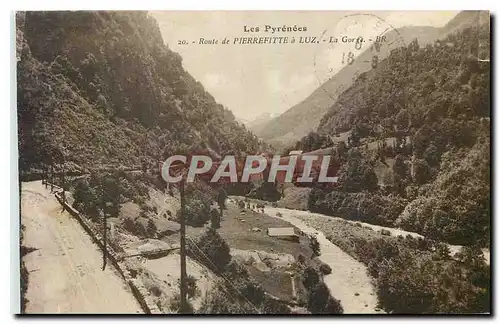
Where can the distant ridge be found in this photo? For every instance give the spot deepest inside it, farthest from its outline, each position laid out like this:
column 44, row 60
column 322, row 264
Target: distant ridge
column 304, row 117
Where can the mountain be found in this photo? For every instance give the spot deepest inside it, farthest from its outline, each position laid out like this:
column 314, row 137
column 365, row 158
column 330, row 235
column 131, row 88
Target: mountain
column 260, row 121
column 435, row 102
column 465, row 19
column 304, row 117
column 378, row 96
column 102, row 88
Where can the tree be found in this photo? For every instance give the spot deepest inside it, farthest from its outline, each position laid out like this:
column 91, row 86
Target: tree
column 86, row 199
column 221, row 198
column 341, row 150
column 151, row 228
column 321, row 302
column 354, row 140
column 310, row 277
column 175, row 305
column 432, row 155
column 442, row 251
column 359, row 174
column 215, row 218
column 421, row 172
column 218, row 301
column 192, row 289
column 314, row 245
column 197, row 208
column 216, row 249
column 421, row 140
column 401, row 174
column 272, row 306
column 265, row 191
column 325, row 269
column 111, row 194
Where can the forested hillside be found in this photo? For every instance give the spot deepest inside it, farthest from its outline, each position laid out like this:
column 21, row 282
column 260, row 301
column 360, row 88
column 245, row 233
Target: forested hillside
column 417, row 86
column 435, row 102
column 304, row 117
column 102, row 88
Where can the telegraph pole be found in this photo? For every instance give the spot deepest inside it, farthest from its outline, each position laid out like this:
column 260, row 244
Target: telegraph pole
column 104, row 239
column 51, row 177
column 63, row 184
column 183, row 287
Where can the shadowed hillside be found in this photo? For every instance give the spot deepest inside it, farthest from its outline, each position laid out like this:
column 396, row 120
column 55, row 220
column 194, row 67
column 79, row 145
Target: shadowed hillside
column 102, row 88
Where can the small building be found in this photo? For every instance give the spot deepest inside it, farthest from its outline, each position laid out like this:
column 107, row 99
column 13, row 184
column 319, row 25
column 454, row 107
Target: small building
column 284, row 233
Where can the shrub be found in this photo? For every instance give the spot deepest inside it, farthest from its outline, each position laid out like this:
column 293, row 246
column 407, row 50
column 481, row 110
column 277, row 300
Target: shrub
column 192, row 290
column 385, row 232
column 215, row 218
column 321, row 302
column 325, row 269
column 24, row 286
column 418, row 276
column 314, row 244
column 135, row 227
column 215, row 249
column 365, row 207
column 197, row 209
column 218, row 301
column 151, row 228
column 272, row 306
column 310, row 277
column 175, row 305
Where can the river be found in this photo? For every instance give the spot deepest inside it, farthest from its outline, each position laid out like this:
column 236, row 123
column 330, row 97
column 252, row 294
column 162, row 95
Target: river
column 349, row 281
column 394, row 231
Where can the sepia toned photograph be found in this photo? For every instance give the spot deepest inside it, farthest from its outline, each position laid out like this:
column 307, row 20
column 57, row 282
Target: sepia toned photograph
column 254, row 162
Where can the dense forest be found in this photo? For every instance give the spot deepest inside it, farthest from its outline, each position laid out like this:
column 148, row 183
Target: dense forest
column 414, row 137
column 434, row 103
column 102, row 89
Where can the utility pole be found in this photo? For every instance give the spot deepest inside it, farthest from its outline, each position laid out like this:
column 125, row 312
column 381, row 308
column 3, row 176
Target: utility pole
column 104, row 239
column 63, row 184
column 183, row 287
column 104, row 225
column 51, row 177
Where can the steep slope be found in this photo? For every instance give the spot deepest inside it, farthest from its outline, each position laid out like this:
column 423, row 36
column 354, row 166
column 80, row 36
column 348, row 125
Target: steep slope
column 465, row 19
column 305, row 116
column 259, row 122
column 418, row 85
column 437, row 96
column 102, row 88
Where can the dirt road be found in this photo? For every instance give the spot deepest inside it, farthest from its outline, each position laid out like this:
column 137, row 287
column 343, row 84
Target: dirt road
column 349, row 281
column 65, row 270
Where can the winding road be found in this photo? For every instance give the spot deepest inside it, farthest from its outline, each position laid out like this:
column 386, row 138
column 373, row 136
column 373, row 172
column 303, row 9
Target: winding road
column 65, row 269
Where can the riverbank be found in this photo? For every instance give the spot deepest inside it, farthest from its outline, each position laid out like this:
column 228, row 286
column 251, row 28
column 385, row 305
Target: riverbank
column 349, row 281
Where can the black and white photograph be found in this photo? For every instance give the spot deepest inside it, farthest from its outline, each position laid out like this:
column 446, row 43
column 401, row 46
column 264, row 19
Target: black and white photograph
column 300, row 162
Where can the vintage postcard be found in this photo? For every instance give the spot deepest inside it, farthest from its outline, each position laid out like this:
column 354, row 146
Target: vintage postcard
column 254, row 162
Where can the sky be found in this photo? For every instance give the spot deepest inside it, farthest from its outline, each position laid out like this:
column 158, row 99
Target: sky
column 253, row 79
